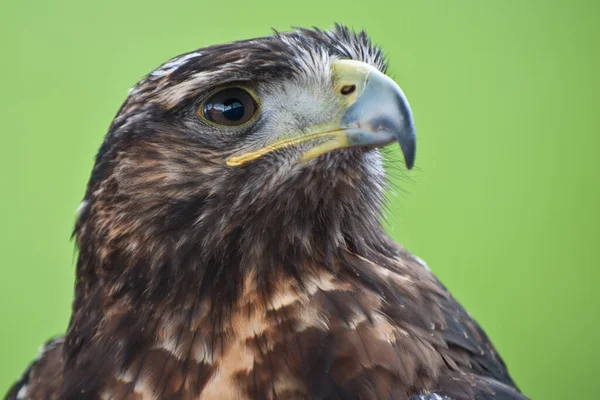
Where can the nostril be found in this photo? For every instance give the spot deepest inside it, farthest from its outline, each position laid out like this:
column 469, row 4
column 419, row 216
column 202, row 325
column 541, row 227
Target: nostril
column 348, row 89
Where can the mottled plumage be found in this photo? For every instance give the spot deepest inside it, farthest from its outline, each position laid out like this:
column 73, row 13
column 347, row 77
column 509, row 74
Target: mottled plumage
column 269, row 280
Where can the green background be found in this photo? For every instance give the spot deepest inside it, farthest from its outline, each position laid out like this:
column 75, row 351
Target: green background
column 503, row 205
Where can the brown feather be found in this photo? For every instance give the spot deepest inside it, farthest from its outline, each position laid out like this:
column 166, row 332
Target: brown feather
column 273, row 280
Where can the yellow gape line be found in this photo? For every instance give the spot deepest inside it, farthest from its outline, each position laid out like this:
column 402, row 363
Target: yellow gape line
column 335, row 135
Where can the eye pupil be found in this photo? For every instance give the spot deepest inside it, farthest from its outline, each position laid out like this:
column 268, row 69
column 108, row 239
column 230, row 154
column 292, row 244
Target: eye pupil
column 230, row 107
column 233, row 110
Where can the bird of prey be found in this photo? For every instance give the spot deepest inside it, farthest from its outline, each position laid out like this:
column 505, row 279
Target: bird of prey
column 231, row 247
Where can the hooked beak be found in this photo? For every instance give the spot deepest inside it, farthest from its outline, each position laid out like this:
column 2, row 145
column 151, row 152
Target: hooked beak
column 376, row 114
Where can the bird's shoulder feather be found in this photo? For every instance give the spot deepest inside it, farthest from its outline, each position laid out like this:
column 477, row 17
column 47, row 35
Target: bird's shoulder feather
column 370, row 328
column 41, row 379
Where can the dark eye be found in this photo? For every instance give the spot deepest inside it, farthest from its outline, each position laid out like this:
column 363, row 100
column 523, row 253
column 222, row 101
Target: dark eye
column 231, row 106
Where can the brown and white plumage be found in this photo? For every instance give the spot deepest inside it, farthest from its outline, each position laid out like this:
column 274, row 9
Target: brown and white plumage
column 271, row 279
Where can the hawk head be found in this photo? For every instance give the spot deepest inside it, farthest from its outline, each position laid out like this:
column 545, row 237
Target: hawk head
column 231, row 227
column 259, row 156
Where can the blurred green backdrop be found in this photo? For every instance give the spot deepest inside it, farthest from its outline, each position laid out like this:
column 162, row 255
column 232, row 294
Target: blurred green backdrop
column 504, row 205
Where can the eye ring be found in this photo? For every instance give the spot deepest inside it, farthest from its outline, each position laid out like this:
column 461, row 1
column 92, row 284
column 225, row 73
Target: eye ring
column 229, row 106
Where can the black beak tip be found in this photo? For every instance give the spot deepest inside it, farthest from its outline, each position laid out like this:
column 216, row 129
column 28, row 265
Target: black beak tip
column 409, row 160
column 409, row 150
